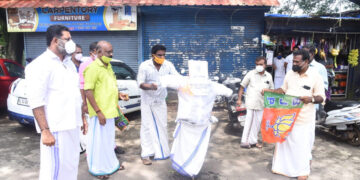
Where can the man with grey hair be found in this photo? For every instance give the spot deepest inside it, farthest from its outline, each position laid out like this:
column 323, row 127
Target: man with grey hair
column 102, row 93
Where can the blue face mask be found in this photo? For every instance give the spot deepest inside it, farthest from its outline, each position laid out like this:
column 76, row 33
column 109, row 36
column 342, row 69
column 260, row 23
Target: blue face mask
column 279, row 57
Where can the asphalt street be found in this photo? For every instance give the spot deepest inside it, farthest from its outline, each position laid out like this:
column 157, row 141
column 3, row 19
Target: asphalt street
column 332, row 158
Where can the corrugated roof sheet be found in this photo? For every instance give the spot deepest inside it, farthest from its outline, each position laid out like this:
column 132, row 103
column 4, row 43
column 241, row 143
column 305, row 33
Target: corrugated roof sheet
column 67, row 3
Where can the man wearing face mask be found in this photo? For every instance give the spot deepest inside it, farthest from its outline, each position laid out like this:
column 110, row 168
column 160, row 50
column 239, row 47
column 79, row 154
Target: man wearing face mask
column 153, row 132
column 102, row 94
column 279, row 67
column 292, row 157
column 255, row 81
column 76, row 57
column 54, row 96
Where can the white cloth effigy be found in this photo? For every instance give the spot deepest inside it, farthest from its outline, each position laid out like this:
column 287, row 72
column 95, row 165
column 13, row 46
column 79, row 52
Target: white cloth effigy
column 189, row 148
column 61, row 160
column 292, row 157
column 153, row 132
column 101, row 157
column 192, row 135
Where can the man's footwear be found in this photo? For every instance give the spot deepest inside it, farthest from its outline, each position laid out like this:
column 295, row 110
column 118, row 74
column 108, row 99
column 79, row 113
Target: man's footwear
column 245, row 146
column 146, row 161
column 302, row 178
column 257, row 145
column 119, row 150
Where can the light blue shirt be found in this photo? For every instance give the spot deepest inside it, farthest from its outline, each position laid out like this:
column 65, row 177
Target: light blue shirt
column 322, row 71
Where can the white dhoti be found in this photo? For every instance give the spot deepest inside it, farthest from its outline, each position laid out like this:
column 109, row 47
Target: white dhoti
column 252, row 126
column 189, row 148
column 292, row 157
column 101, row 156
column 153, row 132
column 278, row 82
column 60, row 161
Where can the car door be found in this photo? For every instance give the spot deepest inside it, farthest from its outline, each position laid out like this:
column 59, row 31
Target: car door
column 126, row 80
column 9, row 72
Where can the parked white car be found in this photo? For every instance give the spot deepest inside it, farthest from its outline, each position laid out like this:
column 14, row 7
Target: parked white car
column 20, row 111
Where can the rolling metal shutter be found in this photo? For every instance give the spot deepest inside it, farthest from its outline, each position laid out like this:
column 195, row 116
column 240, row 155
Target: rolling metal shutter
column 229, row 38
column 125, row 44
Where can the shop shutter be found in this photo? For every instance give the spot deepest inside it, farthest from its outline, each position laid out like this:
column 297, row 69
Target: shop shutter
column 229, row 38
column 125, row 44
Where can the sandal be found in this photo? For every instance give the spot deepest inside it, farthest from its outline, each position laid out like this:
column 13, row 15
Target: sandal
column 245, row 146
column 103, row 177
column 257, row 145
column 122, row 167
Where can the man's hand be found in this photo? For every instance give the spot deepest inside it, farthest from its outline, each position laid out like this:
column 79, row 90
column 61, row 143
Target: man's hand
column 84, row 108
column 102, row 118
column 265, row 90
column 239, row 102
column 123, row 96
column 153, row 86
column 47, row 138
column 84, row 127
column 306, row 99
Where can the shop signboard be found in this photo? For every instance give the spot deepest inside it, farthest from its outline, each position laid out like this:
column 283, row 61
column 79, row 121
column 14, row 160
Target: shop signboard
column 118, row 18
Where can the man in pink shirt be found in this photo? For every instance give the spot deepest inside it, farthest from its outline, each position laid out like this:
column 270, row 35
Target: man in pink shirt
column 86, row 62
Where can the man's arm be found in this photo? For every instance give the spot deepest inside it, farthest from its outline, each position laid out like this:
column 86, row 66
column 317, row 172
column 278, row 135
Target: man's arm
column 278, row 91
column 46, row 136
column 241, row 92
column 147, row 86
column 90, row 96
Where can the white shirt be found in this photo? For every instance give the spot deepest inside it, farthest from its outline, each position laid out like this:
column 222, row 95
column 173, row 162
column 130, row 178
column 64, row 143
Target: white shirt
column 280, row 69
column 254, row 83
column 289, row 60
column 55, row 85
column 149, row 74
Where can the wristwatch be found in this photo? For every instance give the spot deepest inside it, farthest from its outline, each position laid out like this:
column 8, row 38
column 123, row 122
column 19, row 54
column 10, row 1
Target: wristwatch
column 313, row 100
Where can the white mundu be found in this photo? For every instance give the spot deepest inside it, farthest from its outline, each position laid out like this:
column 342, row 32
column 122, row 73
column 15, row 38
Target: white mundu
column 192, row 134
column 52, row 83
column 153, row 132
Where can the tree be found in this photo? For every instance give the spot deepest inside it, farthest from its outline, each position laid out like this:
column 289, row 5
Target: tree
column 314, row 7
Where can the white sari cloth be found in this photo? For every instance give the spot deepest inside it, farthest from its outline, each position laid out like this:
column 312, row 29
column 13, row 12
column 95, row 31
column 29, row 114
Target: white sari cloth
column 153, row 132
column 101, row 157
column 60, row 161
column 189, row 148
column 292, row 157
column 252, row 126
column 192, row 135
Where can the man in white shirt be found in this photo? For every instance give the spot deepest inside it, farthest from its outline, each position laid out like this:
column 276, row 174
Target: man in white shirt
column 153, row 132
column 255, row 81
column 54, row 96
column 279, row 68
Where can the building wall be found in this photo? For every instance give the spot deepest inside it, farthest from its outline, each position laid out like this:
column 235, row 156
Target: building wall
column 229, row 38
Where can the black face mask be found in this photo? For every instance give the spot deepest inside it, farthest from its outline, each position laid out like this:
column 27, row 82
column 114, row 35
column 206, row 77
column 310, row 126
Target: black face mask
column 296, row 68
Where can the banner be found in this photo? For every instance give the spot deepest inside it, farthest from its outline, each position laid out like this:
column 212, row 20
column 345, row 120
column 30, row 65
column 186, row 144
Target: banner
column 279, row 116
column 75, row 18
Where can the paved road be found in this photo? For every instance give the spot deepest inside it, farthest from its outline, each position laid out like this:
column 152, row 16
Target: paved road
column 333, row 159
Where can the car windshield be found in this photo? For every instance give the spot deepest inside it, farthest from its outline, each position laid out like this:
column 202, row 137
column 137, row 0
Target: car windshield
column 122, row 71
column 14, row 69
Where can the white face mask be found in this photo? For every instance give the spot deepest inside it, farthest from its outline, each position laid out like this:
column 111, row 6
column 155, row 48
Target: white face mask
column 78, row 56
column 260, row 68
column 70, row 47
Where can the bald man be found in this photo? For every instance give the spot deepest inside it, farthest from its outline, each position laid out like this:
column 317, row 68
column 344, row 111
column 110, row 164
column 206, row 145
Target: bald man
column 102, row 94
